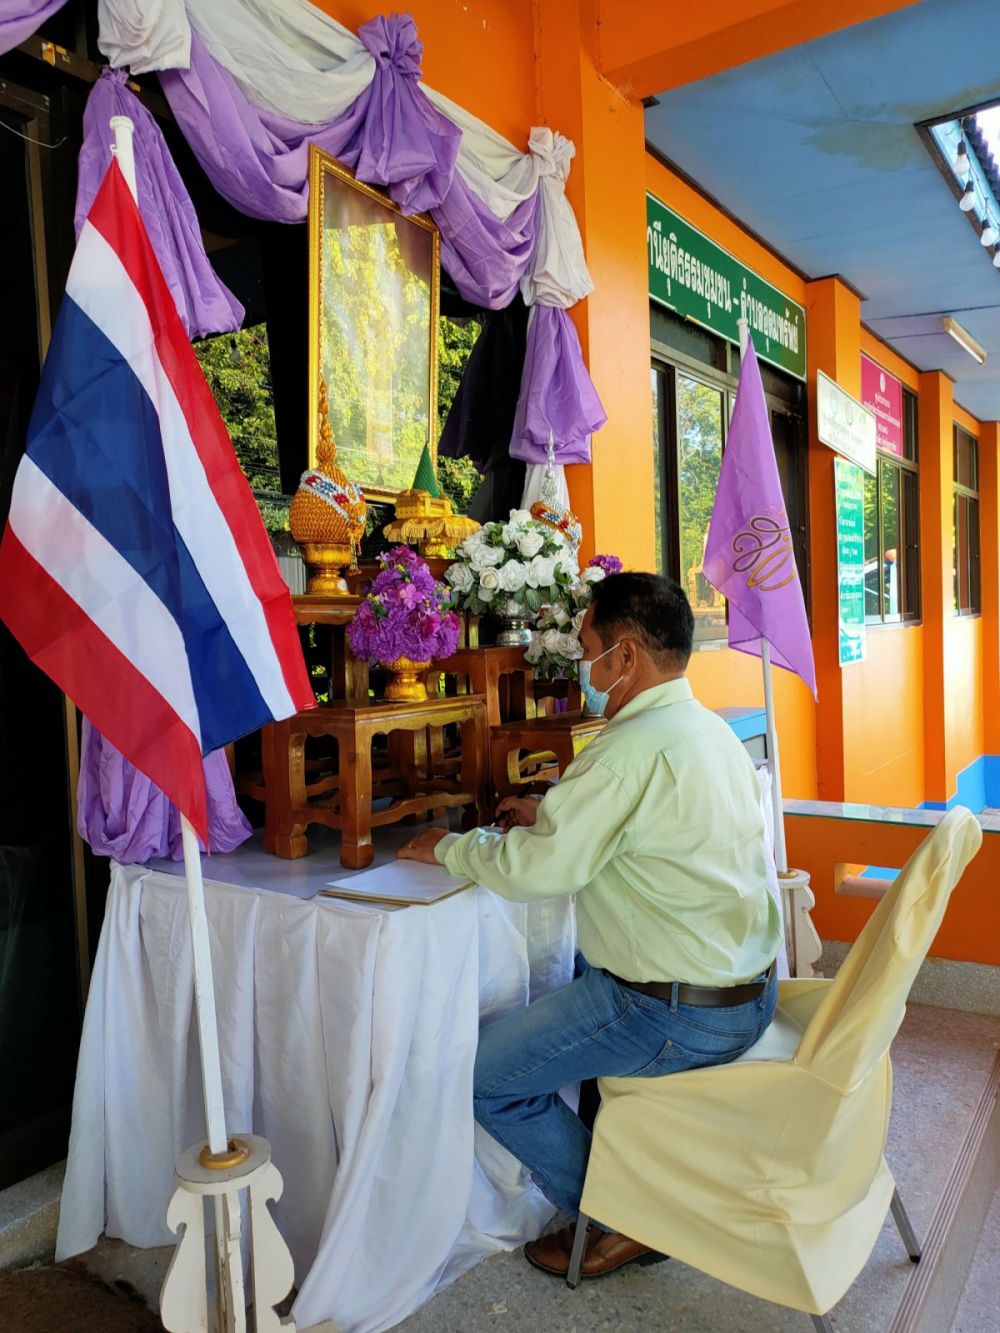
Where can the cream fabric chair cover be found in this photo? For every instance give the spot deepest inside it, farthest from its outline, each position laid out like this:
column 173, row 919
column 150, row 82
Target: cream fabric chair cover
column 768, row 1173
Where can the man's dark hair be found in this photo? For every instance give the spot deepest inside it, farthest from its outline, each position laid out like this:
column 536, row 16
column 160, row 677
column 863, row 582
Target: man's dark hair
column 652, row 610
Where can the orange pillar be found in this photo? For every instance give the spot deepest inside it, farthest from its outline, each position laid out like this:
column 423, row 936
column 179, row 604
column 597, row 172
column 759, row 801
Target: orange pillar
column 833, row 346
column 936, row 412
column 607, row 188
column 989, row 537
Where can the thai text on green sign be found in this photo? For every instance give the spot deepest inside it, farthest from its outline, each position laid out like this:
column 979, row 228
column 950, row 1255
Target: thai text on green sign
column 849, row 484
column 691, row 275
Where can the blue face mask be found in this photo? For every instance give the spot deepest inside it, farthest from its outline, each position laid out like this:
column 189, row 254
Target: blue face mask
column 596, row 700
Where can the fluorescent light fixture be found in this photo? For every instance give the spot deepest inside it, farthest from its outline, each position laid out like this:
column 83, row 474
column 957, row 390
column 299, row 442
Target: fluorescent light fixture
column 964, row 339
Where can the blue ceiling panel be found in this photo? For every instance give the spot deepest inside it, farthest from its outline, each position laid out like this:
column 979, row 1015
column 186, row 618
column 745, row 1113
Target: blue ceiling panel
column 815, row 150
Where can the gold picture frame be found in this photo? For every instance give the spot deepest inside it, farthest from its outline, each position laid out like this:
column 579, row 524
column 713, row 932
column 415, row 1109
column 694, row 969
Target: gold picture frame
column 374, row 288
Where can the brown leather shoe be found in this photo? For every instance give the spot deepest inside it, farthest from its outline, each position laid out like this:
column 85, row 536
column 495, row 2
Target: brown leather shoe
column 606, row 1252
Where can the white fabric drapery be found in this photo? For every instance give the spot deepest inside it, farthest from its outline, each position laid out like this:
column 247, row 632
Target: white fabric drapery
column 348, row 1036
column 293, row 59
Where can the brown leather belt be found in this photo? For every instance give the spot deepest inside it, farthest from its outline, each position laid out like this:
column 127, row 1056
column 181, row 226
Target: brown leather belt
column 705, row 997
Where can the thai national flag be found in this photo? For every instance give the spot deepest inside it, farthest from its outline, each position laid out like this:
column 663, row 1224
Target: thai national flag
column 134, row 568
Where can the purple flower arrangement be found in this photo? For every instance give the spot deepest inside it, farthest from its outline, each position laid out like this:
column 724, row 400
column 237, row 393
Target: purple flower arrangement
column 609, row 563
column 407, row 613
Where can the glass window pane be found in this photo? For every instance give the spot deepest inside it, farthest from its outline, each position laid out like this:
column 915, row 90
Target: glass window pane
column 962, row 549
column 973, row 464
column 656, row 393
column 975, row 603
column 889, row 496
column 873, row 607
column 699, row 439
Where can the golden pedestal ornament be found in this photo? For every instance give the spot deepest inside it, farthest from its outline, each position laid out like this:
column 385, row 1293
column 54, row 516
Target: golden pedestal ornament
column 428, row 521
column 406, row 683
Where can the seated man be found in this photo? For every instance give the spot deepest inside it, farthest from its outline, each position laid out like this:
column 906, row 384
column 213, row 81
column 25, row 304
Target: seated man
column 656, row 828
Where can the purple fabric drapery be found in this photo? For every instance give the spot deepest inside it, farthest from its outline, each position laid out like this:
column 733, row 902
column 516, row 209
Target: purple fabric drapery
column 557, row 393
column 392, row 136
column 204, row 304
column 122, row 814
column 20, row 18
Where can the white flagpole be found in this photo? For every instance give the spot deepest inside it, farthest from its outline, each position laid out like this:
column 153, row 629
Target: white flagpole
column 773, row 762
column 204, row 986
column 223, row 1169
column 122, row 127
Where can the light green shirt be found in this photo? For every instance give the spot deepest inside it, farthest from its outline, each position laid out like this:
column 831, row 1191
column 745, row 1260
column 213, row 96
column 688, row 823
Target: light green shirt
column 657, row 829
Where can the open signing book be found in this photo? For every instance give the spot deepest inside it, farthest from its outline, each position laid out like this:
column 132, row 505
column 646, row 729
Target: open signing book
column 398, row 884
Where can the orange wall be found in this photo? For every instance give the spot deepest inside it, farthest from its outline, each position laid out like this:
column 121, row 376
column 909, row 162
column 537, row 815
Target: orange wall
column 477, row 52
column 964, row 693
column 971, row 928
column 722, row 678
column 888, row 729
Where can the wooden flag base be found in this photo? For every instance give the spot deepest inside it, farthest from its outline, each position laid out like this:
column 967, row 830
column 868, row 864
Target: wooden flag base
column 184, row 1298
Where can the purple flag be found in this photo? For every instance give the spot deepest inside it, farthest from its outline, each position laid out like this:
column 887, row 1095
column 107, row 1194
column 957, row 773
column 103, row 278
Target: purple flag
column 749, row 556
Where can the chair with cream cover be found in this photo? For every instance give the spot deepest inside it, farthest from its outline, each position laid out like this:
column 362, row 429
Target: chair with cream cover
column 769, row 1173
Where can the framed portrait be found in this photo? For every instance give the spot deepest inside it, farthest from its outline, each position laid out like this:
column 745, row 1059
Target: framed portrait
column 374, row 294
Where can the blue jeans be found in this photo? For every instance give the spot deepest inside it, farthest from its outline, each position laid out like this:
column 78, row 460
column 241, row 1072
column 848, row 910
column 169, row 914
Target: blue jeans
column 594, row 1027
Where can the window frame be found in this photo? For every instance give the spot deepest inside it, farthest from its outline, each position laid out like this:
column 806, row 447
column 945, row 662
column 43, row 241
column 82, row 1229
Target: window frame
column 969, row 496
column 907, row 465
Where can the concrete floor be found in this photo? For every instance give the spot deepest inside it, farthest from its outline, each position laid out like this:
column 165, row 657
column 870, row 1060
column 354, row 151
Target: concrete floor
column 941, row 1061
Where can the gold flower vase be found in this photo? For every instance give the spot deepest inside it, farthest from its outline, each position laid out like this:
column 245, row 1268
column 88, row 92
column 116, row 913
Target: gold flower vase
column 406, row 684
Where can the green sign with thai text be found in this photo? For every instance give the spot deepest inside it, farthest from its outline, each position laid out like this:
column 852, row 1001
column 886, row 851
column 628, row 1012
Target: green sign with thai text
column 849, row 483
column 691, row 275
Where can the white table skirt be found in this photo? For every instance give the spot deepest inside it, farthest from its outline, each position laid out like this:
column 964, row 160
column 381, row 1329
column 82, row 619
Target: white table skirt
column 348, row 1036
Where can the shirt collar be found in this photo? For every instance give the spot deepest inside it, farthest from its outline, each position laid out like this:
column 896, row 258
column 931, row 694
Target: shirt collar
column 657, row 696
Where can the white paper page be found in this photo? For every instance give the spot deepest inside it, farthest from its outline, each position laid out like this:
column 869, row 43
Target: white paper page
column 405, row 881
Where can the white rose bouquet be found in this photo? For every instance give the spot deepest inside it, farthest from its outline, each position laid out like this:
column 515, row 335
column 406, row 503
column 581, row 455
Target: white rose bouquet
column 555, row 648
column 521, row 559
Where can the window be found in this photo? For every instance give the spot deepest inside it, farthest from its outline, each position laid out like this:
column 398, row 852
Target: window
column 701, row 410
column 892, row 551
column 693, row 380
column 966, row 543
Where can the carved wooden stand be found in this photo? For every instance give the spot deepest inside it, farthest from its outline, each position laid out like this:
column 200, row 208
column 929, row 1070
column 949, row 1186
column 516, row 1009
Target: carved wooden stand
column 183, row 1300
column 803, row 943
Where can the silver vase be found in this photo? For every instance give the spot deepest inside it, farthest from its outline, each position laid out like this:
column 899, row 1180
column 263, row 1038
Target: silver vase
column 515, row 622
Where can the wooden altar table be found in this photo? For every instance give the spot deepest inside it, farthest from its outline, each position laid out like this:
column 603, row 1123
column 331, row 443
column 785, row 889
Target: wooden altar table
column 344, row 801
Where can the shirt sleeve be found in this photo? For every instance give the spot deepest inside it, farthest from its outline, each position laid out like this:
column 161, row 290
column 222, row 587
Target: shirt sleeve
column 582, row 822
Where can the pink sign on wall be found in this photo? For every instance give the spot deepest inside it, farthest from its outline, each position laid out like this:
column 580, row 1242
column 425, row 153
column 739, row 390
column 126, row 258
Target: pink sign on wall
column 882, row 394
